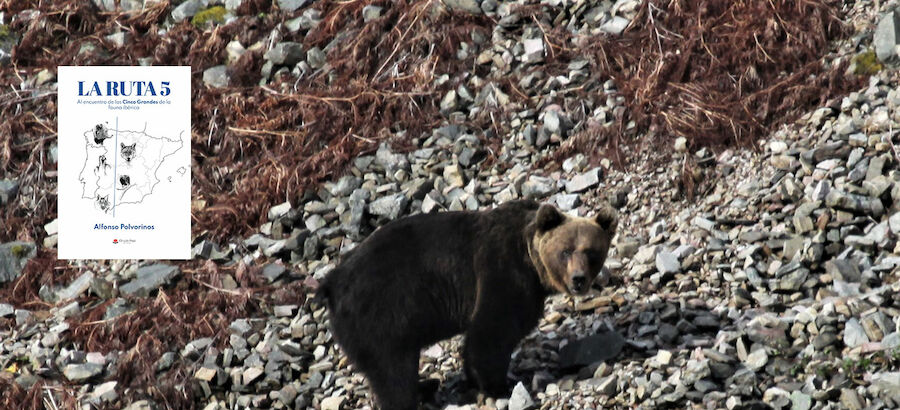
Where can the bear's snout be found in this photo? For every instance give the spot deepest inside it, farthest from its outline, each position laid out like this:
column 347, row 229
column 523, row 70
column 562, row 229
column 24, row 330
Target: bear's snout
column 580, row 283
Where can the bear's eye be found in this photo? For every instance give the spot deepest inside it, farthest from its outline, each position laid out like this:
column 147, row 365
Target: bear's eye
column 565, row 254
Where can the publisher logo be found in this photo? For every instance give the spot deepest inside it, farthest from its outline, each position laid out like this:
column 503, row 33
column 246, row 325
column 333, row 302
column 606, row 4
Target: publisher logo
column 115, row 241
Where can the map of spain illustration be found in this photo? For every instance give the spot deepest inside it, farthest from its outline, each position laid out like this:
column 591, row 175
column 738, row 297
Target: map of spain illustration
column 121, row 166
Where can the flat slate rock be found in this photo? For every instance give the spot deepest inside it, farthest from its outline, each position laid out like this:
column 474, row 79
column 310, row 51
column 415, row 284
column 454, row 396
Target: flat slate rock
column 149, row 278
column 591, row 349
column 81, row 372
column 887, row 35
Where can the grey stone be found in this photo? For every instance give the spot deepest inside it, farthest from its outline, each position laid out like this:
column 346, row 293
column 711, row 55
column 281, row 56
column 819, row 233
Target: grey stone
column 575, row 163
column 891, row 341
column 757, row 359
column 887, row 384
column 591, row 349
column 202, row 250
column 142, row 405
column 831, row 150
column 333, row 402
column 567, row 202
column 311, row 247
column 284, row 310
column 388, row 206
column 667, row 333
column 250, row 375
column 165, row 362
column 854, row 334
column 430, row 204
column 554, row 123
column 315, row 222
column 279, row 210
column 216, row 77
column 894, row 223
column 118, row 308
column 76, row 288
column 309, row 19
column 471, row 6
column 13, row 257
column 6, row 310
column 703, row 223
column 449, row 102
column 800, row 400
column 287, row 394
column 371, row 12
column 117, row 38
column 534, row 52
column 78, row 373
column 52, row 227
column 390, row 161
column 879, row 234
column 583, row 182
column 608, row 386
column 823, row 340
column 273, row 271
column 232, row 5
column 616, row 25
column 194, row 349
column 316, row 58
column 346, row 185
column 887, row 36
column 854, row 203
column 285, row 53
column 187, row 10
column 793, row 280
column 149, row 278
column 843, row 269
column 105, row 392
column 520, row 399
column 537, row 187
column 667, row 263
column 291, row 5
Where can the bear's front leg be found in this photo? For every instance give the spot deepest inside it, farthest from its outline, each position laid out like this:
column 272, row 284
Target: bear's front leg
column 486, row 358
column 488, row 348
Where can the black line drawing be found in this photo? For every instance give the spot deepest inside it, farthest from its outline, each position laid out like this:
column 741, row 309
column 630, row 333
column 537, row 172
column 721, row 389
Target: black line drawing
column 145, row 158
column 100, row 134
column 128, row 151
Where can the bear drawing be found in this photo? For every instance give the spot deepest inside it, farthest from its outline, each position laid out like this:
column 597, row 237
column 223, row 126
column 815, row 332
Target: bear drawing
column 425, row 278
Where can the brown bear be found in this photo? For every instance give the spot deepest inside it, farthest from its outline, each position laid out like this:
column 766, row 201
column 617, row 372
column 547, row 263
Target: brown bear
column 424, row 278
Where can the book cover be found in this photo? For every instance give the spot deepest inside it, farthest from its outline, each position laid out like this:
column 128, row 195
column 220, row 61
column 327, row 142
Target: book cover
column 124, row 162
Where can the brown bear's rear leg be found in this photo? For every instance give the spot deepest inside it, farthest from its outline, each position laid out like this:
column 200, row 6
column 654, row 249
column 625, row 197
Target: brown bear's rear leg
column 395, row 380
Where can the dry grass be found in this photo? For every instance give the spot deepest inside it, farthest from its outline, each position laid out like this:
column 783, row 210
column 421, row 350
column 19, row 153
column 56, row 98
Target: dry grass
column 720, row 73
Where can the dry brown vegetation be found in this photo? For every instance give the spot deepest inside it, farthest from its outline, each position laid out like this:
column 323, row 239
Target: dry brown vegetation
column 196, row 307
column 720, row 73
column 717, row 72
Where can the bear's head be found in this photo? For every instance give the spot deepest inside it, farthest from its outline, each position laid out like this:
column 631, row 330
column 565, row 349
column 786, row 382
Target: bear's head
column 568, row 252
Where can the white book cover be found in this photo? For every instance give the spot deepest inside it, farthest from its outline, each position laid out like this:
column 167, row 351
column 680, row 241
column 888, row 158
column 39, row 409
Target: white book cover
column 124, row 180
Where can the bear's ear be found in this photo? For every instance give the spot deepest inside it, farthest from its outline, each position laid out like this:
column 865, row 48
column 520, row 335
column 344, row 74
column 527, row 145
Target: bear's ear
column 548, row 217
column 607, row 218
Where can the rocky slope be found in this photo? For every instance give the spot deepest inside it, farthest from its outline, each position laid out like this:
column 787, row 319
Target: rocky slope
column 746, row 278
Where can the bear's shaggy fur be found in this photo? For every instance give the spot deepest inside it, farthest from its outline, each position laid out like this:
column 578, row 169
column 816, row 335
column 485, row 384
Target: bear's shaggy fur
column 425, row 278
